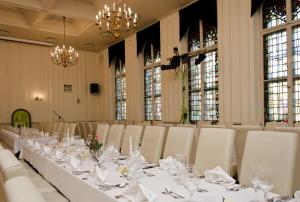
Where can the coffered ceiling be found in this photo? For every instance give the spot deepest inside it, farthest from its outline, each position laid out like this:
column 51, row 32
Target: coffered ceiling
column 41, row 20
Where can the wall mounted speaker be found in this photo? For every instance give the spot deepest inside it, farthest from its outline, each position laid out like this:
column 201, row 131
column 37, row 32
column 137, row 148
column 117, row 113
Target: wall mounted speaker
column 94, row 88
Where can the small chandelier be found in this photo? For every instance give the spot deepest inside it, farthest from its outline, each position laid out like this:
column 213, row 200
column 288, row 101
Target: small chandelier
column 114, row 21
column 63, row 56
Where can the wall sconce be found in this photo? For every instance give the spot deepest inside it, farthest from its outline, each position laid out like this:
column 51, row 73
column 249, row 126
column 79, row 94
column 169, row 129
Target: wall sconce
column 38, row 98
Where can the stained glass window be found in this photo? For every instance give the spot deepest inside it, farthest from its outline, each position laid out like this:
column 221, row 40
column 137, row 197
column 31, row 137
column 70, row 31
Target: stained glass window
column 210, row 35
column 211, row 104
column 295, row 9
column 274, row 13
column 194, row 38
column 152, row 83
column 120, row 90
column 203, row 78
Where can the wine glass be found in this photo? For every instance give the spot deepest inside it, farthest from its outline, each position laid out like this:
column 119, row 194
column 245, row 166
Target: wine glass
column 266, row 184
column 255, row 180
column 189, row 181
column 179, row 163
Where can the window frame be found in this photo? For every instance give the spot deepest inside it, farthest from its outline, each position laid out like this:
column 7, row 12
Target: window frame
column 121, row 75
column 288, row 26
column 202, row 50
column 151, row 67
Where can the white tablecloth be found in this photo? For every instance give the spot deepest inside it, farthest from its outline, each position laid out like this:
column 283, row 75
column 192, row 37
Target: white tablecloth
column 78, row 190
column 16, row 141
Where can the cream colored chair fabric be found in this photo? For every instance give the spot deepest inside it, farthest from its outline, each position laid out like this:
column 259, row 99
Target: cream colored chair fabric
column 240, row 140
column 71, row 127
column 1, row 147
column 9, row 166
column 136, row 135
column 88, row 128
column 21, row 189
column 275, row 151
column 115, row 136
column 82, row 130
column 152, row 143
column 215, row 148
column 179, row 141
column 102, row 130
column 50, row 128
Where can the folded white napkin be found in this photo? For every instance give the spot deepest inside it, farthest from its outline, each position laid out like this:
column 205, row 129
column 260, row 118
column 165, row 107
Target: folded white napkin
column 101, row 174
column 169, row 164
column 30, row 143
column 75, row 162
column 218, row 175
column 47, row 149
column 37, row 146
column 59, row 155
column 138, row 193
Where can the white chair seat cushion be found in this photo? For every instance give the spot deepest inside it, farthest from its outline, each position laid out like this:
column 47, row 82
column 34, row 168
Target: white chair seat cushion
column 21, row 189
column 10, row 166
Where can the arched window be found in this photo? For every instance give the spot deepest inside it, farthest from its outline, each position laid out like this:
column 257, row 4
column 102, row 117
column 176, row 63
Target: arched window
column 120, row 89
column 281, row 43
column 203, row 77
column 152, row 79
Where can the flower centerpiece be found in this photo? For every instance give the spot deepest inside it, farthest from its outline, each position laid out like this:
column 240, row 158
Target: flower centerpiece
column 94, row 144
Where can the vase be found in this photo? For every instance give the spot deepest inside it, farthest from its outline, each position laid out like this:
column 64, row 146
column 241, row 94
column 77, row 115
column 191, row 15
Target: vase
column 93, row 154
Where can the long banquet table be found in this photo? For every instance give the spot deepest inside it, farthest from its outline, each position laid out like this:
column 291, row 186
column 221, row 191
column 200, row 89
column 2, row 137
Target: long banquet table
column 17, row 141
column 78, row 189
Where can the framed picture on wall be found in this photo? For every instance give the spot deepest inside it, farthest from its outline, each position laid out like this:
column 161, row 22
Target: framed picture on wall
column 67, row 88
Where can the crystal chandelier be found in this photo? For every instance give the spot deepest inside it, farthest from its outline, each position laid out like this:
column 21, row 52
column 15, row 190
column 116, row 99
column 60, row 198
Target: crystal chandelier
column 116, row 20
column 62, row 55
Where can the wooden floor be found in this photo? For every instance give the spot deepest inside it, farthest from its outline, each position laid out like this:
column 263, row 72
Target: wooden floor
column 50, row 193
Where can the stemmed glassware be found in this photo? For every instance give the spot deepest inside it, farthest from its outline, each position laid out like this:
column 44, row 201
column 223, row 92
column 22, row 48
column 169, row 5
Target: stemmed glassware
column 179, row 163
column 261, row 179
column 189, row 180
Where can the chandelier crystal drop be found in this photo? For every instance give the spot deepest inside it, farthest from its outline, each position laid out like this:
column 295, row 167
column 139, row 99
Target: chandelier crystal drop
column 62, row 55
column 116, row 20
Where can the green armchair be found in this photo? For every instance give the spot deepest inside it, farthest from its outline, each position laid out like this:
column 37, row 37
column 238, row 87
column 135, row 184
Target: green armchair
column 21, row 117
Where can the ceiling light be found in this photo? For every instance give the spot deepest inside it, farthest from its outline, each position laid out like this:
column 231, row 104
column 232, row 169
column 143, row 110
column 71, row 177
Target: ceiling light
column 116, row 19
column 62, row 55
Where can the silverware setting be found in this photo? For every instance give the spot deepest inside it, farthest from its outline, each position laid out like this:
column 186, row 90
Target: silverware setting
column 168, row 190
column 238, row 188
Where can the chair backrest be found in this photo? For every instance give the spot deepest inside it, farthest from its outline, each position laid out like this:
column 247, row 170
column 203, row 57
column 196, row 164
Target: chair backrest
column 179, row 141
column 152, row 143
column 21, row 117
column 115, row 136
column 215, row 148
column 82, row 130
column 275, row 151
column 102, row 130
column 71, row 127
column 135, row 132
column 88, row 127
column 240, row 140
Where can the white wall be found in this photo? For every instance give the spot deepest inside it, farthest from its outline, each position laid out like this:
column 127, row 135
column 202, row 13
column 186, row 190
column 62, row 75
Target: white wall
column 27, row 70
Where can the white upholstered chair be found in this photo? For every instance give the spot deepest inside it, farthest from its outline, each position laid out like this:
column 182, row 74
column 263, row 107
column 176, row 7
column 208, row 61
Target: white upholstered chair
column 115, row 136
column 22, row 189
column 135, row 132
column 240, row 140
column 215, row 148
column 179, row 141
column 102, row 130
column 83, row 133
column 275, row 151
column 152, row 143
column 9, row 166
column 88, row 128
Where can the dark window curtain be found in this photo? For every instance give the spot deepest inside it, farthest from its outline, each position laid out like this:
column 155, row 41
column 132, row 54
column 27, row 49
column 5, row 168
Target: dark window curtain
column 255, row 4
column 150, row 35
column 202, row 9
column 117, row 52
